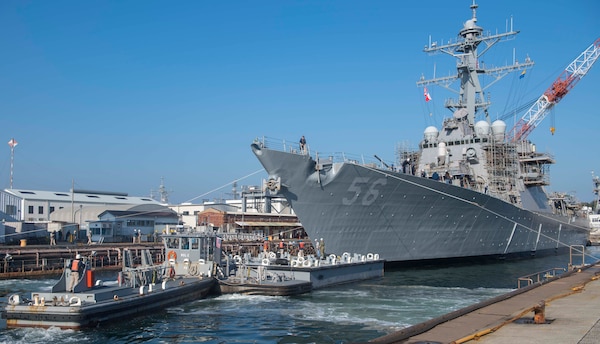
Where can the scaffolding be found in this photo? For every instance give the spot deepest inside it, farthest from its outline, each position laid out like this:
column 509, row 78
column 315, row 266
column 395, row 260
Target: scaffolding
column 501, row 161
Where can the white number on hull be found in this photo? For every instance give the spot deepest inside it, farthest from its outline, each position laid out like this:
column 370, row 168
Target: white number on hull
column 371, row 193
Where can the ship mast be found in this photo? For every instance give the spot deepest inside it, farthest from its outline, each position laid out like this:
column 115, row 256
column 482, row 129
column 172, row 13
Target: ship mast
column 471, row 100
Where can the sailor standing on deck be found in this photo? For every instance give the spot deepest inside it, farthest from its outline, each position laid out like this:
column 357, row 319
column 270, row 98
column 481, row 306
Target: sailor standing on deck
column 281, row 248
column 317, row 251
column 302, row 144
column 76, row 266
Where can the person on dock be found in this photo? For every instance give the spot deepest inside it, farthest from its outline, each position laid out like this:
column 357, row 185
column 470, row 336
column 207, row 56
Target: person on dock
column 301, row 249
column 76, row 267
column 52, row 238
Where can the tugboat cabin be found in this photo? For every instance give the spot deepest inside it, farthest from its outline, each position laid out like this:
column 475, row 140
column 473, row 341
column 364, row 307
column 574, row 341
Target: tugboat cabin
column 195, row 254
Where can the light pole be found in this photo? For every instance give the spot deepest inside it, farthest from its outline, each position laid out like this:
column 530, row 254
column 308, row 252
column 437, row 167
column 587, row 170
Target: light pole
column 76, row 231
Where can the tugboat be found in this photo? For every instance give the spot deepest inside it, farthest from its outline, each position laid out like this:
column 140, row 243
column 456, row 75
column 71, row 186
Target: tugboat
column 186, row 275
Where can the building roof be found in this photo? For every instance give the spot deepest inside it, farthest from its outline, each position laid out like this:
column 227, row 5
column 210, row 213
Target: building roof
column 80, row 196
column 162, row 212
column 92, row 213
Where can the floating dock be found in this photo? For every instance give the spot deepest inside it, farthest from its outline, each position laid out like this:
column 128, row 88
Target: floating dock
column 292, row 275
column 563, row 309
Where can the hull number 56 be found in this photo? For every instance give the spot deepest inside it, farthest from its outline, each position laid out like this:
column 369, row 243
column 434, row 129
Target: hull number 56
column 371, row 191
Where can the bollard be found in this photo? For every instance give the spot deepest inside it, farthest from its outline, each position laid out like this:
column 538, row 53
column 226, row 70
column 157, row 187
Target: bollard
column 539, row 313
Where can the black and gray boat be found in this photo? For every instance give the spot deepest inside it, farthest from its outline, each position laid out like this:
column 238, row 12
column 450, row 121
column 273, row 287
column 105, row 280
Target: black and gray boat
column 141, row 289
column 471, row 189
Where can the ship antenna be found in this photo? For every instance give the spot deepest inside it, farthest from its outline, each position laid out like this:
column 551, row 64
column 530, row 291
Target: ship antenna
column 474, row 9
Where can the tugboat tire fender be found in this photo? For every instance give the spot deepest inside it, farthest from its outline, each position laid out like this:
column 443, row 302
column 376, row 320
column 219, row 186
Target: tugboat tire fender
column 14, row 299
column 193, row 270
column 75, row 301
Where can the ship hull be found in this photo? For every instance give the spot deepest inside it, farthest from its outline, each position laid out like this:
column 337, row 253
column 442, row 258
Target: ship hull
column 402, row 217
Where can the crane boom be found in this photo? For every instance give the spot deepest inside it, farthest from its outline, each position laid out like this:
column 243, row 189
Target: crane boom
column 559, row 88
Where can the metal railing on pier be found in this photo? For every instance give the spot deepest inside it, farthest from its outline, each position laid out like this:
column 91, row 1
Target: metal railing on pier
column 576, row 252
column 540, row 277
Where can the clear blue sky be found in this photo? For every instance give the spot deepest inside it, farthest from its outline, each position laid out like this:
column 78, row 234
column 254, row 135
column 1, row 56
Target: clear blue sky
column 117, row 94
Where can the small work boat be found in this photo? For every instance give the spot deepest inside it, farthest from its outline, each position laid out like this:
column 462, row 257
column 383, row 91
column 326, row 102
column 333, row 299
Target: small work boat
column 186, row 275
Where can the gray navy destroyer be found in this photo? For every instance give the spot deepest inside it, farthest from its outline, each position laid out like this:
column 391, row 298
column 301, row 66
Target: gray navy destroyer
column 471, row 189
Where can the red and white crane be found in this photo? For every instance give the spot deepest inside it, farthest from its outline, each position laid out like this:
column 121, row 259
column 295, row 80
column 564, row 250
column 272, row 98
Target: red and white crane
column 559, row 88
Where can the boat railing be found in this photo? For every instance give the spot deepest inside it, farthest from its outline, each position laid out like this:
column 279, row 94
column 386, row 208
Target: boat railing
column 323, row 158
column 242, row 237
column 540, row 277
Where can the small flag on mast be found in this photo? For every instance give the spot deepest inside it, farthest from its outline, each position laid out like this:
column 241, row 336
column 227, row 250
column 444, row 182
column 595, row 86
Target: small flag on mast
column 523, row 74
column 426, row 94
column 12, row 143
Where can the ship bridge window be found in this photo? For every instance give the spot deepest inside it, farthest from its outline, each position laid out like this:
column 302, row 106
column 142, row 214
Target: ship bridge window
column 173, row 243
column 450, row 143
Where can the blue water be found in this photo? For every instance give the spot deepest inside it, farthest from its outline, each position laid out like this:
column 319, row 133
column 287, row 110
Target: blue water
column 349, row 313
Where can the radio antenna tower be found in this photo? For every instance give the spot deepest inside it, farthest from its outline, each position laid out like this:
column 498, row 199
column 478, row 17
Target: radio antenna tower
column 12, row 143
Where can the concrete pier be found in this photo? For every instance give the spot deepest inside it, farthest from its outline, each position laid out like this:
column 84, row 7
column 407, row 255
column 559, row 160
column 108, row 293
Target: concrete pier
column 569, row 306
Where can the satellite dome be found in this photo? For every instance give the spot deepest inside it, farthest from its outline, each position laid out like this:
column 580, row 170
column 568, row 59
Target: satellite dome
column 482, row 129
column 469, row 24
column 431, row 133
column 498, row 129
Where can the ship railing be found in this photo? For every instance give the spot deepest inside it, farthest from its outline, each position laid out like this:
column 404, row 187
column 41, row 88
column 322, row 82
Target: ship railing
column 335, row 157
column 293, row 146
column 290, row 146
column 540, row 277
